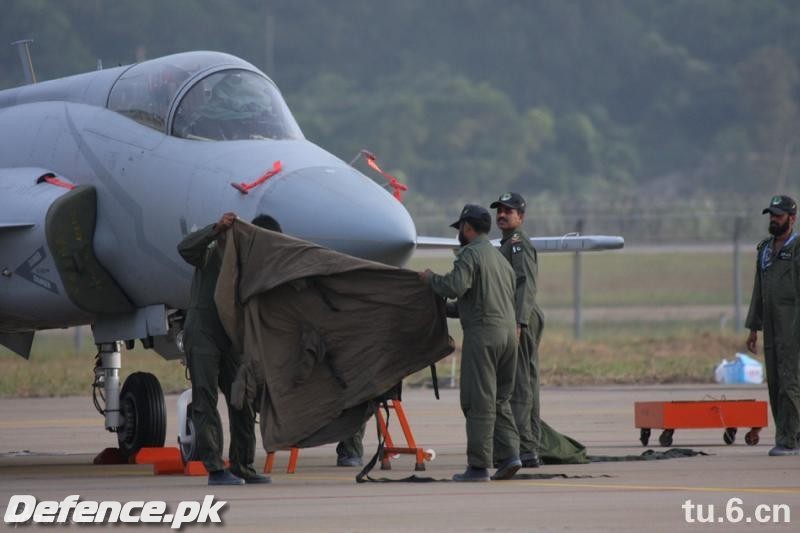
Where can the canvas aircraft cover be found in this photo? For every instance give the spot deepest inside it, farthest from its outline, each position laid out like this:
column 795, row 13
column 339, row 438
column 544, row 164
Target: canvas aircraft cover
column 324, row 332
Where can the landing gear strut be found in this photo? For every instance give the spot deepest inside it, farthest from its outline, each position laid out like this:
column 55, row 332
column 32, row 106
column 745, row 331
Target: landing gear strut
column 137, row 414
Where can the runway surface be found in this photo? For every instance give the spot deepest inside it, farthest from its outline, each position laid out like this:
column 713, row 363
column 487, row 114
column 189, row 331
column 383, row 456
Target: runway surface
column 60, row 436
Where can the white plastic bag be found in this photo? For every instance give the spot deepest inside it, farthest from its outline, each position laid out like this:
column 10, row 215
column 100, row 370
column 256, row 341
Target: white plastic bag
column 719, row 372
column 752, row 371
column 742, row 369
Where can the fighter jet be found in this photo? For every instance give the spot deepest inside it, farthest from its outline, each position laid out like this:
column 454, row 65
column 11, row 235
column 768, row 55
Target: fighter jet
column 103, row 173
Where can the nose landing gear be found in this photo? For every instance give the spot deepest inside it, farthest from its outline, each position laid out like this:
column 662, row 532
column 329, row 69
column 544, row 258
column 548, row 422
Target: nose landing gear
column 137, row 414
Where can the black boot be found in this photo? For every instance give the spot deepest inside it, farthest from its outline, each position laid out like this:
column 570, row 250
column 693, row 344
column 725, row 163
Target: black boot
column 473, row 474
column 349, row 461
column 530, row 460
column 507, row 469
column 223, row 477
column 257, row 479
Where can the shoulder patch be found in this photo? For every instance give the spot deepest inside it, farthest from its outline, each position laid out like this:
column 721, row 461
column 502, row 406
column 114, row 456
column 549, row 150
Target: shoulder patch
column 516, row 248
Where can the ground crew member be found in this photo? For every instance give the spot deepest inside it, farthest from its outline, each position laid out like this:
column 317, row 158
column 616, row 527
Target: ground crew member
column 211, row 365
column 350, row 451
column 518, row 250
column 483, row 283
column 774, row 309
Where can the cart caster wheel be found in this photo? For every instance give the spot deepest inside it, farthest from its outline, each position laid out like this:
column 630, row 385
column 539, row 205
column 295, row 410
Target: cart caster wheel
column 386, row 466
column 419, row 467
column 644, row 436
column 729, row 436
column 665, row 439
column 751, row 437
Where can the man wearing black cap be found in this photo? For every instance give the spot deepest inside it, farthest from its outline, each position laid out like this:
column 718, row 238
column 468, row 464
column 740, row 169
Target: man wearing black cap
column 212, row 364
column 773, row 308
column 520, row 253
column 483, row 283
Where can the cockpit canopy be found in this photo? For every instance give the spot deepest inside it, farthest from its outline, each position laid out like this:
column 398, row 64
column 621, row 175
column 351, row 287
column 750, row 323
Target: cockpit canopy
column 220, row 98
column 234, row 104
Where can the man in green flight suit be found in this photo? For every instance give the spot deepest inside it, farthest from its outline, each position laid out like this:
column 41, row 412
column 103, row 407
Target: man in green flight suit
column 774, row 308
column 211, row 365
column 483, row 283
column 349, row 452
column 520, row 253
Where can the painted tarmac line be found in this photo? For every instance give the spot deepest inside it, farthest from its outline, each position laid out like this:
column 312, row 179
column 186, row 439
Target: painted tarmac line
column 666, row 488
column 578, row 484
column 34, row 472
column 56, row 422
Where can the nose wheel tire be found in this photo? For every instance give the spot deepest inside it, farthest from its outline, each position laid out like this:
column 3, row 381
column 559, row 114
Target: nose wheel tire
column 143, row 414
column 188, row 447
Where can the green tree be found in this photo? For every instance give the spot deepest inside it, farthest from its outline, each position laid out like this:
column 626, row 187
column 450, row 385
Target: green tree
column 768, row 88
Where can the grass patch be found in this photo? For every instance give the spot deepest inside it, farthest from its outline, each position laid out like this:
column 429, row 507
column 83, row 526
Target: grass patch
column 642, row 351
column 681, row 354
column 631, row 278
column 618, row 354
column 57, row 369
column 678, row 357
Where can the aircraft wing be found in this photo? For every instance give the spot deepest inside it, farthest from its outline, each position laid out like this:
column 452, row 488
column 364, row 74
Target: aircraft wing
column 436, row 243
column 15, row 225
column 567, row 243
column 576, row 243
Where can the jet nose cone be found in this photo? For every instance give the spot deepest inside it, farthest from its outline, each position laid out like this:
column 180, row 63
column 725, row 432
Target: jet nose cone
column 342, row 209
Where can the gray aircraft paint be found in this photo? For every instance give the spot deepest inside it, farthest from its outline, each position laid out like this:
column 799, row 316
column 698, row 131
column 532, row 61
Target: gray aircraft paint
column 152, row 188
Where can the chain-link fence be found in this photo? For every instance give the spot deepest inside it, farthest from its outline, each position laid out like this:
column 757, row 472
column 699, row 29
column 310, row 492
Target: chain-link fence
column 639, row 220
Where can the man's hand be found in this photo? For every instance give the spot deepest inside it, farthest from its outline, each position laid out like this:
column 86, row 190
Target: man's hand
column 752, row 341
column 225, row 223
column 425, row 276
column 519, row 331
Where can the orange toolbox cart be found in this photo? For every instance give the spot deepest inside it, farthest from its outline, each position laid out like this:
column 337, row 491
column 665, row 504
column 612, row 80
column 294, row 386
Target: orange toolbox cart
column 704, row 414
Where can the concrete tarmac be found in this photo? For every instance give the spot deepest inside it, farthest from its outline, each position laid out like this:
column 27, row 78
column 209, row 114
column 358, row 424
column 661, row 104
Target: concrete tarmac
column 46, row 448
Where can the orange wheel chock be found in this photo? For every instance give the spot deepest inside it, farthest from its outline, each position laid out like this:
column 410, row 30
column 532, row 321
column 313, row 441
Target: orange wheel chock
column 195, row 468
column 164, row 460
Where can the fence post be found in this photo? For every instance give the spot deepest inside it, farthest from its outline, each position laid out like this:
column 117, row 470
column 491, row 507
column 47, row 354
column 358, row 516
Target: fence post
column 78, row 338
column 577, row 286
column 737, row 276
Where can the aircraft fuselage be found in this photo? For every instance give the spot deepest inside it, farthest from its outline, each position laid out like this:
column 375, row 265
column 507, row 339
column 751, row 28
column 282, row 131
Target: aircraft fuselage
column 154, row 187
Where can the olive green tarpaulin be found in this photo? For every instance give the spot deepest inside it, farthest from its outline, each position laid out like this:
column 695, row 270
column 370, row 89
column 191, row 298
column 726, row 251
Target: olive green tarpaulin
column 558, row 449
column 323, row 332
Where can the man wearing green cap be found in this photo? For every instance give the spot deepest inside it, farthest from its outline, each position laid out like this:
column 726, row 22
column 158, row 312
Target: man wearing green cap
column 483, row 283
column 774, row 309
column 520, row 253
